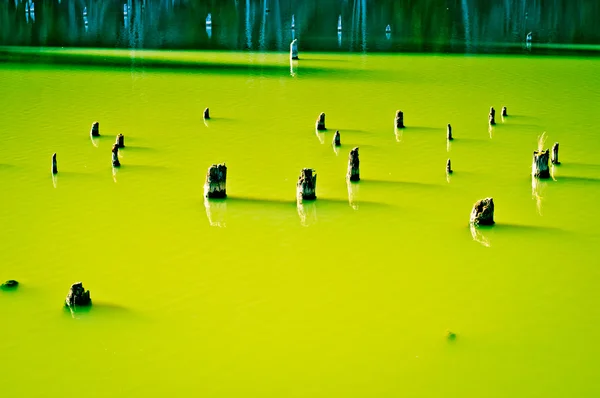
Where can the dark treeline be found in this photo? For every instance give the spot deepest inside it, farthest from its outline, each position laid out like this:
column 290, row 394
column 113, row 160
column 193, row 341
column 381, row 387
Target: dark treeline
column 418, row 25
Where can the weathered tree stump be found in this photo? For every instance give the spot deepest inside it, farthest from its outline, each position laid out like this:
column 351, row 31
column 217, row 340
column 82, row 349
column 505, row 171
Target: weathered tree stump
column 492, row 116
column 9, row 284
column 448, row 167
column 95, row 131
column 215, row 186
column 307, row 185
column 336, row 139
column 115, row 155
column 78, row 296
column 120, row 141
column 294, row 49
column 321, row 122
column 54, row 165
column 504, row 112
column 555, row 153
column 399, row 119
column 451, row 336
column 539, row 167
column 483, row 212
column 449, row 132
column 353, row 165
column 206, row 113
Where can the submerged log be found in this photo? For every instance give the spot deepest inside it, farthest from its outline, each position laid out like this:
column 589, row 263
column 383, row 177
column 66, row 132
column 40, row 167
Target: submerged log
column 555, row 153
column 294, row 49
column 504, row 113
column 206, row 113
column 353, row 166
column 448, row 167
column 95, row 131
column 539, row 167
column 449, row 132
column 336, row 139
column 215, row 186
column 115, row 155
column 9, row 284
column 54, row 165
column 307, row 185
column 321, row 122
column 399, row 119
column 483, row 212
column 120, row 141
column 492, row 116
column 78, row 296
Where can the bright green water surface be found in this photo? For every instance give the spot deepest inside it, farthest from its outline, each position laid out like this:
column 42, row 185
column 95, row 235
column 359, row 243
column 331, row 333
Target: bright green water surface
column 346, row 297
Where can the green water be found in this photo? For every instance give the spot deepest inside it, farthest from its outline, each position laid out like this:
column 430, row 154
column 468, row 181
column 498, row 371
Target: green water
column 348, row 296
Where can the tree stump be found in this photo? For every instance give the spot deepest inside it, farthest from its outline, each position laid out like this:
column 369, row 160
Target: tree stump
column 555, row 153
column 353, row 166
column 294, row 49
column 483, row 212
column 492, row 116
column 54, row 165
column 95, row 131
column 448, row 167
column 307, row 185
column 206, row 113
column 215, row 186
column 321, row 122
column 9, row 284
column 120, row 141
column 504, row 113
column 539, row 167
column 115, row 155
column 449, row 132
column 78, row 296
column 337, row 139
column 399, row 119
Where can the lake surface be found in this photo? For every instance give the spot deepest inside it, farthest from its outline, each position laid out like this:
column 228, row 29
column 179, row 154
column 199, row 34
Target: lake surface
column 348, row 296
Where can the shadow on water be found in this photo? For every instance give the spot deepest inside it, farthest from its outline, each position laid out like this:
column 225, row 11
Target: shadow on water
column 487, row 234
column 399, row 184
column 259, row 201
column 124, row 168
column 577, row 180
column 567, row 166
column 100, row 309
column 136, row 148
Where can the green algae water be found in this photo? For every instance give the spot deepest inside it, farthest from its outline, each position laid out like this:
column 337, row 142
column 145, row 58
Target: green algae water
column 351, row 295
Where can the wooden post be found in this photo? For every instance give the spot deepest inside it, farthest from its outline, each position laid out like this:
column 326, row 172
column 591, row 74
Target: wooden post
column 353, row 166
column 215, row 185
column 504, row 113
column 555, row 153
column 449, row 132
column 321, row 122
column 95, row 131
column 294, row 49
column 54, row 166
column 399, row 119
column 492, row 116
column 539, row 167
column 337, row 139
column 78, row 296
column 115, row 156
column 206, row 114
column 483, row 212
column 307, row 185
column 448, row 167
column 120, row 141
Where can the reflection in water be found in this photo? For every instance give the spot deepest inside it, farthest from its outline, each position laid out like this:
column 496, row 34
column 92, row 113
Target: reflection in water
column 353, row 189
column 293, row 68
column 538, row 189
column 320, row 136
column 307, row 210
column 115, row 171
column 209, row 25
column 448, row 145
column 216, row 211
column 339, row 31
column 398, row 133
column 54, row 180
column 478, row 236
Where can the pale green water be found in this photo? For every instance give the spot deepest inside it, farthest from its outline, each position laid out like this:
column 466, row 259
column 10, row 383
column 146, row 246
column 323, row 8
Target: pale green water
column 356, row 303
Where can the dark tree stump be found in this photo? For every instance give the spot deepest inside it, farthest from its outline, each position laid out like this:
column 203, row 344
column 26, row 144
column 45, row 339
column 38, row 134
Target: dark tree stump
column 9, row 285
column 78, row 296
column 504, row 113
column 321, row 122
column 120, row 141
column 206, row 113
column 353, row 166
column 95, row 131
column 492, row 116
column 307, row 185
column 294, row 49
column 555, row 153
column 336, row 139
column 448, row 167
column 115, row 155
column 399, row 119
column 215, row 186
column 483, row 212
column 54, row 165
column 449, row 132
column 539, row 167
